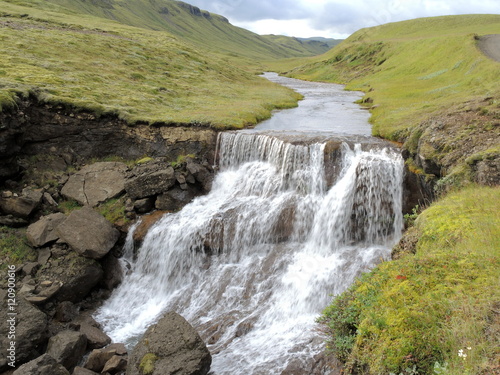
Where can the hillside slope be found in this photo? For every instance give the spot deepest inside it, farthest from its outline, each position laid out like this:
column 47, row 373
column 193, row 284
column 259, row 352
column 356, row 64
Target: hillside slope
column 429, row 86
column 140, row 75
column 202, row 28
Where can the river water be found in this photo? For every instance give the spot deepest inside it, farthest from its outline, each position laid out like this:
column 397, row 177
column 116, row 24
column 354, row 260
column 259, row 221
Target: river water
column 252, row 264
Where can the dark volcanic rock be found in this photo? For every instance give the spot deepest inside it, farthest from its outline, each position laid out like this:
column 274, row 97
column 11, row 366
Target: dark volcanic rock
column 43, row 365
column 170, row 347
column 31, row 331
column 149, row 179
column 22, row 206
column 77, row 274
column 67, row 348
column 44, row 230
column 88, row 232
column 96, row 183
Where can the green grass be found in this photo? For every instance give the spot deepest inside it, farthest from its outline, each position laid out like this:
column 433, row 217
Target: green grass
column 14, row 248
column 205, row 30
column 140, row 75
column 422, row 309
column 412, row 69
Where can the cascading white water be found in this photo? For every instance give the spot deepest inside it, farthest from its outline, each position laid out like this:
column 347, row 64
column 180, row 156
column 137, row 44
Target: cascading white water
column 253, row 263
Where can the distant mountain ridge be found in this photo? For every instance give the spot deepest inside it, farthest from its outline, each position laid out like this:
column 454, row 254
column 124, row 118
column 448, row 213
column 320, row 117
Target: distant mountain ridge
column 200, row 27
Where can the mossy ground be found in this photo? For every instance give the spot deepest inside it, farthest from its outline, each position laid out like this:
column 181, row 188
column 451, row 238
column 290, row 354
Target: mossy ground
column 139, row 75
column 14, row 248
column 423, row 308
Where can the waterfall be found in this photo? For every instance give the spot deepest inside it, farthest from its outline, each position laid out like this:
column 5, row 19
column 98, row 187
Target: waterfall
column 252, row 264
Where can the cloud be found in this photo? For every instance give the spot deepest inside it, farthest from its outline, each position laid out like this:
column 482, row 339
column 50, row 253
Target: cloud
column 244, row 10
column 334, row 18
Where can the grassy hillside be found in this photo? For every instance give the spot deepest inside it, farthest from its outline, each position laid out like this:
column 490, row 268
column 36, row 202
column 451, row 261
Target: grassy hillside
column 413, row 315
column 203, row 29
column 423, row 78
column 141, row 75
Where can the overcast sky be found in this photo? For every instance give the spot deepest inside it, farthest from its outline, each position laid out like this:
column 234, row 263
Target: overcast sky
column 334, row 18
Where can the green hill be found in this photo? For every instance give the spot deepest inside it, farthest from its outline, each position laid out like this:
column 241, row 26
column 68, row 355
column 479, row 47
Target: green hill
column 204, row 29
column 420, row 75
column 139, row 74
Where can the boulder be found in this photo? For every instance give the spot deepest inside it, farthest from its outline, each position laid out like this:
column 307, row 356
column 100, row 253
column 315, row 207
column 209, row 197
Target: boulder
column 98, row 358
column 66, row 311
column 22, row 206
column 149, row 179
column 77, row 274
column 12, row 221
column 83, row 371
column 31, row 331
column 88, row 233
column 144, row 205
column 43, row 365
column 174, row 199
column 96, row 183
column 147, row 221
column 116, row 364
column 45, row 292
column 170, row 347
column 67, row 348
column 44, row 231
column 96, row 338
column 201, row 174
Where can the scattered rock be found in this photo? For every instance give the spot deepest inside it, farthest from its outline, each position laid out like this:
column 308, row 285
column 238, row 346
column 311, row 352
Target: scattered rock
column 115, row 365
column 44, row 231
column 174, row 199
column 66, row 311
column 30, row 268
column 170, row 347
column 67, row 348
column 43, row 365
column 96, row 183
column 201, row 174
column 79, row 275
column 144, row 205
column 44, row 256
column 83, row 371
column 47, row 199
column 22, row 206
column 96, row 338
column 88, row 232
column 98, row 358
column 149, row 179
column 13, row 222
column 31, row 332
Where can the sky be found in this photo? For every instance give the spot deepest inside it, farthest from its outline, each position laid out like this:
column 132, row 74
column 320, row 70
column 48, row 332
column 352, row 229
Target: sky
column 334, row 18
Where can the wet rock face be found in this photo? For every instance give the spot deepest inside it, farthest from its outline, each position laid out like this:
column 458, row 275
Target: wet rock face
column 170, row 347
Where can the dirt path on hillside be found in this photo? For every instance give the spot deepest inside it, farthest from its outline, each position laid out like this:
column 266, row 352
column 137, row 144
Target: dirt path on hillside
column 490, row 46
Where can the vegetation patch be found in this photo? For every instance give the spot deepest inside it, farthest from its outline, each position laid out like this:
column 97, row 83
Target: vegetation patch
column 95, row 64
column 435, row 310
column 14, row 248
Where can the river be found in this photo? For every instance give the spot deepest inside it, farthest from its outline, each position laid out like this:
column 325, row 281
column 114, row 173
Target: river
column 301, row 205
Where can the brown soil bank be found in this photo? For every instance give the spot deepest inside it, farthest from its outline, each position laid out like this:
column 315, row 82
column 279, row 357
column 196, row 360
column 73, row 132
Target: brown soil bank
column 65, row 136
